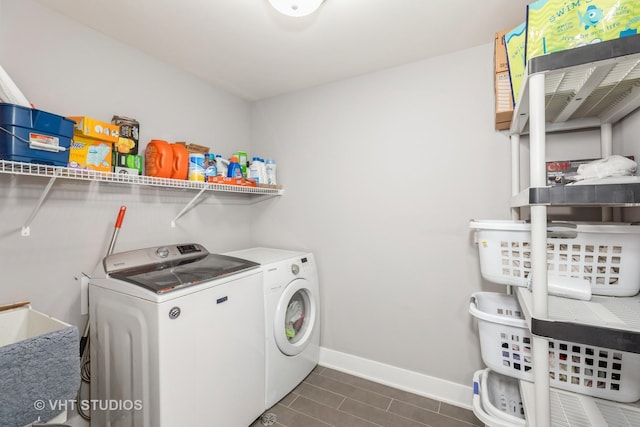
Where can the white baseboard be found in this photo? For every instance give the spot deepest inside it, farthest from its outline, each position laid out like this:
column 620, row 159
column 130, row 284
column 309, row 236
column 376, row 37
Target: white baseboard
column 403, row 379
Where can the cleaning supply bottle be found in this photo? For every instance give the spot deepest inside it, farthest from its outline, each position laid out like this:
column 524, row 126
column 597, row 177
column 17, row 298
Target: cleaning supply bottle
column 271, row 171
column 254, row 170
column 263, row 170
column 243, row 160
column 234, row 171
column 196, row 167
column 180, row 163
column 222, row 165
column 158, row 159
column 210, row 169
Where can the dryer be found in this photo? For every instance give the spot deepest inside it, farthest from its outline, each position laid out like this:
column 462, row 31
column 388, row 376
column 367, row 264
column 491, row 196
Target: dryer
column 176, row 339
column 292, row 317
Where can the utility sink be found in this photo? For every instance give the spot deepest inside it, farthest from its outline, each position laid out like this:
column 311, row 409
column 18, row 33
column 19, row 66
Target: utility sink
column 39, row 364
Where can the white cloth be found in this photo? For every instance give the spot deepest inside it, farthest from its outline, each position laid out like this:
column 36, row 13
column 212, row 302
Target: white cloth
column 611, row 166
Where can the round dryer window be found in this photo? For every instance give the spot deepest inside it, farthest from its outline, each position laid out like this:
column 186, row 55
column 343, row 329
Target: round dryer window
column 295, row 318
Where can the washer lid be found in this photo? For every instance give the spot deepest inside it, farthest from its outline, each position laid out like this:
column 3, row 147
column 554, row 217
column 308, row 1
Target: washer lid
column 167, row 268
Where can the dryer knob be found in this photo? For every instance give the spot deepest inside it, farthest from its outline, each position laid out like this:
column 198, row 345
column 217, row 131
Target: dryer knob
column 295, row 269
column 162, row 252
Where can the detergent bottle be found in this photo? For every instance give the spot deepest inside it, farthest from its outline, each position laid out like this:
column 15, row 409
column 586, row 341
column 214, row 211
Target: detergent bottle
column 234, row 171
column 180, row 163
column 158, row 159
column 242, row 161
column 222, row 165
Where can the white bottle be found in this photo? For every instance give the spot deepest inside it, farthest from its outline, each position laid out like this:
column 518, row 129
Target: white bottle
column 221, row 165
column 254, row 170
column 263, row 170
column 271, row 172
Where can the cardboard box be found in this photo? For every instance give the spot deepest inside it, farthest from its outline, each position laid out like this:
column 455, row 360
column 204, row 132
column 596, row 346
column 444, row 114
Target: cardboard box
column 559, row 172
column 502, row 84
column 556, row 25
column 131, row 162
column 92, row 128
column 514, row 41
column 129, row 139
column 500, row 53
column 195, row 148
column 90, row 153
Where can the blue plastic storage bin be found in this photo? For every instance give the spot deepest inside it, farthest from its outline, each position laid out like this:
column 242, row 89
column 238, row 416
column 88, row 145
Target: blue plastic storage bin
column 21, row 125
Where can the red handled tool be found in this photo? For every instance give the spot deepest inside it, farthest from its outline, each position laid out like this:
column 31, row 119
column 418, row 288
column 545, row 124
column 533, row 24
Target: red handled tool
column 116, row 229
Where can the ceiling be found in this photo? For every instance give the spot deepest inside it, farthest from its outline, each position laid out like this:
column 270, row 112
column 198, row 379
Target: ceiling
column 248, row 48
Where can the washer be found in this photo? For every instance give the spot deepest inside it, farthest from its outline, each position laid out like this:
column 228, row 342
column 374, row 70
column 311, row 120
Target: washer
column 176, row 338
column 292, row 317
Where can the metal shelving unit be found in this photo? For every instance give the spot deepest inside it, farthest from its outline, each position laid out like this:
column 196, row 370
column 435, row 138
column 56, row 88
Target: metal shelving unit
column 57, row 172
column 588, row 87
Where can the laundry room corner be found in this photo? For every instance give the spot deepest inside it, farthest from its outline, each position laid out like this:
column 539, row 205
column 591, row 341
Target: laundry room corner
column 375, row 178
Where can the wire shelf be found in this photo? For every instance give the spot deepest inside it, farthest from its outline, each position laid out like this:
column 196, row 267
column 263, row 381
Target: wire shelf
column 33, row 169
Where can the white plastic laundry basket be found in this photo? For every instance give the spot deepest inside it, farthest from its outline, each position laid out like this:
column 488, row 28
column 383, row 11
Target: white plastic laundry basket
column 505, row 345
column 606, row 255
column 497, row 401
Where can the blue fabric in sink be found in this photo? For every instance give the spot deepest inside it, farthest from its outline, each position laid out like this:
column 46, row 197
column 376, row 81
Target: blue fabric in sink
column 43, row 368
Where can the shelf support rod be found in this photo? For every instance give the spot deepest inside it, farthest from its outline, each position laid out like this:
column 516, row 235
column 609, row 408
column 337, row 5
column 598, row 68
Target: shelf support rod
column 26, row 230
column 537, row 142
column 515, row 172
column 186, row 208
column 606, row 150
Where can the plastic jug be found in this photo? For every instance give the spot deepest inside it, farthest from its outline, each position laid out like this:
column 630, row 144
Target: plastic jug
column 234, row 171
column 180, row 162
column 222, row 165
column 158, row 158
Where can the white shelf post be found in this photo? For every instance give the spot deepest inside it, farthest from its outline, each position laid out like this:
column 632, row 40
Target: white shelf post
column 537, row 144
column 515, row 172
column 606, row 150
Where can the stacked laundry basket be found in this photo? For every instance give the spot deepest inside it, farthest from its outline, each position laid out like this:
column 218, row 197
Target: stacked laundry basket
column 602, row 256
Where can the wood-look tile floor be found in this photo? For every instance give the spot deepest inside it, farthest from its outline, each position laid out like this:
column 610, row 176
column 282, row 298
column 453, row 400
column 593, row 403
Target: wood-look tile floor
column 331, row 398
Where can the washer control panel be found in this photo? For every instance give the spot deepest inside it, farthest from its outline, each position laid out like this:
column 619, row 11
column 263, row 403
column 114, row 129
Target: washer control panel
column 148, row 256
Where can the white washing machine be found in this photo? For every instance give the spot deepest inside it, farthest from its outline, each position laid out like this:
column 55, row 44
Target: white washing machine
column 292, row 317
column 176, row 339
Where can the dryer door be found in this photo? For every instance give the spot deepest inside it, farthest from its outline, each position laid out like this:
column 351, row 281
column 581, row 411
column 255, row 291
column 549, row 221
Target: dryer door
column 295, row 317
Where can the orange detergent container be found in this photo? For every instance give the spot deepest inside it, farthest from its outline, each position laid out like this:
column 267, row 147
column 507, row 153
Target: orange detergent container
column 158, row 159
column 180, row 163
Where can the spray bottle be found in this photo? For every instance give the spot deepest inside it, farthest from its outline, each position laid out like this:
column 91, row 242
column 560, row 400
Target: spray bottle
column 222, row 165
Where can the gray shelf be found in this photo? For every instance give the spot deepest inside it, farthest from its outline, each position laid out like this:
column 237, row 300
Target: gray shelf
column 607, row 322
column 584, row 87
column 575, row 410
column 580, row 195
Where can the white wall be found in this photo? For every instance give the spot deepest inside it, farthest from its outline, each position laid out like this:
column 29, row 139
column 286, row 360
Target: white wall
column 69, row 69
column 382, row 174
